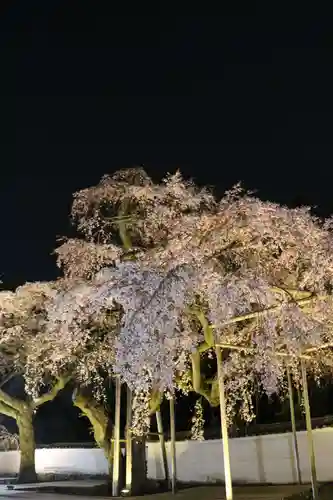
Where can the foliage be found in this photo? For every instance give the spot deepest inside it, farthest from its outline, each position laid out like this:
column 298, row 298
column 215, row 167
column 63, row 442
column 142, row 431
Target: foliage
column 129, row 203
column 197, row 430
column 188, row 270
column 24, row 339
column 8, row 441
column 160, row 273
column 23, row 334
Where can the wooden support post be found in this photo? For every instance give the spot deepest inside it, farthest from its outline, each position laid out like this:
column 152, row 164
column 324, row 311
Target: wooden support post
column 129, row 447
column 173, row 446
column 293, row 426
column 116, row 444
column 162, row 444
column 224, row 427
column 309, row 432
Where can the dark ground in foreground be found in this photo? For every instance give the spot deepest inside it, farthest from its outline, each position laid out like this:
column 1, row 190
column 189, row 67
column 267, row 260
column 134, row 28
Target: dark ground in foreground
column 325, row 493
column 187, row 492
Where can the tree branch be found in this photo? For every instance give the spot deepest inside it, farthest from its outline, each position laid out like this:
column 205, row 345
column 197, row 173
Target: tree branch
column 15, row 404
column 49, row 396
column 207, row 331
column 293, row 293
column 198, row 382
column 301, row 302
column 123, row 233
column 97, row 417
column 8, row 410
column 8, row 378
column 155, row 402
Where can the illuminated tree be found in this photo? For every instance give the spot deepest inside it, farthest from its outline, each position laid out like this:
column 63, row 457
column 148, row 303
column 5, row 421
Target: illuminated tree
column 117, row 221
column 123, row 216
column 267, row 275
column 129, row 212
column 189, row 271
column 22, row 334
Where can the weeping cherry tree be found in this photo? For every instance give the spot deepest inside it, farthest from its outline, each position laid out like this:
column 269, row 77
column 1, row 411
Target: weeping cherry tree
column 117, row 221
column 189, row 272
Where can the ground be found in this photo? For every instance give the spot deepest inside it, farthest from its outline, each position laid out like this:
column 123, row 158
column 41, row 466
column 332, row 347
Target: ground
column 199, row 493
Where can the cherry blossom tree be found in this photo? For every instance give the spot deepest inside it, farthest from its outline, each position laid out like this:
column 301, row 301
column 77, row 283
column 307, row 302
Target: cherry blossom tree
column 129, row 208
column 80, row 355
column 122, row 217
column 22, row 334
column 189, row 271
column 268, row 289
column 112, row 222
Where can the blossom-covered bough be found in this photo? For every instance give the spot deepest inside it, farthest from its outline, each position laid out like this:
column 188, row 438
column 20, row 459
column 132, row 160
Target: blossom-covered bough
column 246, row 280
column 22, row 336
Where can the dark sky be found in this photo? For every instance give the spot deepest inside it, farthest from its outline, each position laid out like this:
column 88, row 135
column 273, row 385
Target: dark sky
column 84, row 91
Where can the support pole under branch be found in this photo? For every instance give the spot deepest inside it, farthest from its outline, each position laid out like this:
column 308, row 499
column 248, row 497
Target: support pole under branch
column 116, row 444
column 162, row 444
column 173, row 445
column 293, row 426
column 309, row 432
column 129, row 447
column 224, row 427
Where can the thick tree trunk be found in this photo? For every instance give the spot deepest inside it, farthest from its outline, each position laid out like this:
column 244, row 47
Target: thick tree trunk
column 139, row 471
column 27, row 473
column 102, row 428
column 22, row 412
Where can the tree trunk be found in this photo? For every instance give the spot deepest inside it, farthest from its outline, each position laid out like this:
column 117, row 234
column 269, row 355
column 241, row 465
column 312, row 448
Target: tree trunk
column 22, row 412
column 102, row 428
column 139, row 471
column 27, row 473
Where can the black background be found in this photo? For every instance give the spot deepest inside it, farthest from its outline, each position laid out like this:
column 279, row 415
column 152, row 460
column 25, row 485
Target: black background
column 86, row 89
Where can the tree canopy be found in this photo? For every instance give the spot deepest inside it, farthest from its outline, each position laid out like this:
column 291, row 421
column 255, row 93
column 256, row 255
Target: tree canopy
column 162, row 272
column 186, row 270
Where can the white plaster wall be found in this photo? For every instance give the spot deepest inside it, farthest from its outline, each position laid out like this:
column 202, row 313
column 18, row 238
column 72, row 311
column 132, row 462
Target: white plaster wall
column 71, row 461
column 9, row 462
column 258, row 459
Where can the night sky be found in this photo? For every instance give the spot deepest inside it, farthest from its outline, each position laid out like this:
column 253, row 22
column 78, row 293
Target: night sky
column 85, row 91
